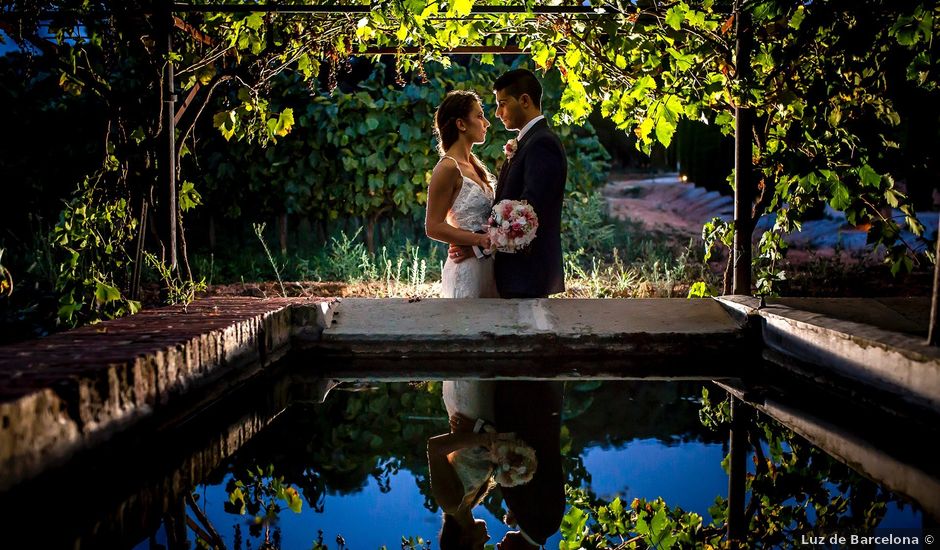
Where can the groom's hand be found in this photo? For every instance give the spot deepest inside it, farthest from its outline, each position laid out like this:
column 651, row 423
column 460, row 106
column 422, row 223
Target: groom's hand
column 458, row 253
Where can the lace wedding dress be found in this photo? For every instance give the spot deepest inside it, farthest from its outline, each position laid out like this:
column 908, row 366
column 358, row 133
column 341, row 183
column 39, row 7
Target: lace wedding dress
column 473, row 277
column 473, row 399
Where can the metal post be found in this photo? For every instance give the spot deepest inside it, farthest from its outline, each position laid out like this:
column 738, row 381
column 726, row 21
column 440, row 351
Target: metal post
column 139, row 251
column 169, row 118
column 737, row 471
column 743, row 151
column 932, row 336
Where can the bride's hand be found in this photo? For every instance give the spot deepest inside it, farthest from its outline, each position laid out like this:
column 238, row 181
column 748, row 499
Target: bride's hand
column 484, row 242
column 458, row 253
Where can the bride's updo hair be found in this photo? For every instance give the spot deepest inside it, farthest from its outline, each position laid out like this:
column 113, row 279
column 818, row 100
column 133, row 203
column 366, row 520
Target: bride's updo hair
column 456, row 105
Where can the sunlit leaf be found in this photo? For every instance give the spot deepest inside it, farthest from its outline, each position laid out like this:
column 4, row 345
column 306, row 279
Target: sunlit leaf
column 105, row 293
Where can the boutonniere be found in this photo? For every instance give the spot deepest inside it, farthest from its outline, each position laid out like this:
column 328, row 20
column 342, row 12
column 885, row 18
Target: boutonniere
column 510, row 148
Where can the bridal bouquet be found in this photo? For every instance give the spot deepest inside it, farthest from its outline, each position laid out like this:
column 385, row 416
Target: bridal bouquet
column 512, row 225
column 514, row 462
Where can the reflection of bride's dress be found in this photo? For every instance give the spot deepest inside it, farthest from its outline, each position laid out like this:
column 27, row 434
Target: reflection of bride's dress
column 473, row 399
column 473, row 277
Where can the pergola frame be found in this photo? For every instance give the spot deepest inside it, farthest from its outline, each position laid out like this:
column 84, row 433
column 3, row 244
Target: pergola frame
column 168, row 10
column 741, row 254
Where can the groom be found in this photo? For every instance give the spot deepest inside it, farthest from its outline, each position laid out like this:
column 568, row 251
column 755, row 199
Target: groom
column 532, row 410
column 535, row 170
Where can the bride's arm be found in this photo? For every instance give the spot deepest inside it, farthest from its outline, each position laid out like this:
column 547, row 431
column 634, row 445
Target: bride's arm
column 445, row 484
column 441, row 193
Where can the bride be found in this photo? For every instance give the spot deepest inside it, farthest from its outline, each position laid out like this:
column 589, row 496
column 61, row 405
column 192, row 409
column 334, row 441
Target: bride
column 461, row 194
column 460, row 198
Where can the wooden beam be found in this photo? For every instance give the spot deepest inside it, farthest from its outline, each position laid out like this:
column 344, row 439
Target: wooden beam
column 461, row 50
column 186, row 102
column 181, row 7
column 197, row 34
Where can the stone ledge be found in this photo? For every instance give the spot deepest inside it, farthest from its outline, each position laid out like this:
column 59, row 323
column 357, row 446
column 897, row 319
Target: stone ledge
column 635, row 331
column 888, row 360
column 74, row 389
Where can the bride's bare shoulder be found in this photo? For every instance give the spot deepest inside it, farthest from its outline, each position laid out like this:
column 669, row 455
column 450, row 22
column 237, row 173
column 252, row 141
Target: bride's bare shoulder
column 446, row 171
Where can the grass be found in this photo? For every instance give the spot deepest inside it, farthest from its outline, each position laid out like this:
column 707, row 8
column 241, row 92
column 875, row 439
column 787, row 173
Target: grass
column 613, row 259
column 650, row 267
column 343, row 265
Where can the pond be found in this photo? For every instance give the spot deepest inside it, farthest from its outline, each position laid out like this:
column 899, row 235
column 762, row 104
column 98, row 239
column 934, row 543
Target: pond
column 272, row 467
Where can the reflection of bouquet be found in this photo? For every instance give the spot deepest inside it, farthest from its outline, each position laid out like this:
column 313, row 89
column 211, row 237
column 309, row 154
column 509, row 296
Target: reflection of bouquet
column 512, row 225
column 514, row 462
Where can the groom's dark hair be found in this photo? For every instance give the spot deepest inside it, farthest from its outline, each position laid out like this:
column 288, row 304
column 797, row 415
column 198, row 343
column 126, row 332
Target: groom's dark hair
column 518, row 82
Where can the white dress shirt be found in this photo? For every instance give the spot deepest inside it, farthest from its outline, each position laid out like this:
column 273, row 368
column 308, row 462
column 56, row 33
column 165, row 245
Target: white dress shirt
column 528, row 126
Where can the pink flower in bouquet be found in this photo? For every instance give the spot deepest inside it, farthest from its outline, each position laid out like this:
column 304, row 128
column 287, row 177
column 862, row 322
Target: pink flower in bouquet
column 512, row 225
column 506, row 209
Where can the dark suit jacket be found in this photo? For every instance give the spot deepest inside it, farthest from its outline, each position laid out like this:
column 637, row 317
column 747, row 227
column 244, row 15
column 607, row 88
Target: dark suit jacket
column 532, row 409
column 537, row 174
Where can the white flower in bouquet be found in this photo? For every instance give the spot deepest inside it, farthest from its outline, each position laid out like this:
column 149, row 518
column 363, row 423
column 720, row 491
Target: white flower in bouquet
column 514, row 462
column 512, row 225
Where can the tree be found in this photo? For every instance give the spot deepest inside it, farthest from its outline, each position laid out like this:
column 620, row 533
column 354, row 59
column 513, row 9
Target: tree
column 821, row 82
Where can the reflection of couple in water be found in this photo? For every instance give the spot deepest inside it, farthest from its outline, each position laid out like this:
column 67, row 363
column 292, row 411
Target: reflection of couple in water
column 504, row 433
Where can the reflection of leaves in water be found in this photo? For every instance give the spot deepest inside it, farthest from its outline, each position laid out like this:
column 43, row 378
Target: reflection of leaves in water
column 797, row 489
column 715, row 414
column 336, row 447
column 610, row 415
column 259, row 492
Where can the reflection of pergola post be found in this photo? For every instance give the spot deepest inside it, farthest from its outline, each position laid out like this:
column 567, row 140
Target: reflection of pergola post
column 933, row 336
column 174, row 522
column 737, row 471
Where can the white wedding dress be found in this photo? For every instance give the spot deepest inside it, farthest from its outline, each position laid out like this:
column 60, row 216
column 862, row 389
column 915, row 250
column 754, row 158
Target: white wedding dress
column 473, row 277
column 473, row 399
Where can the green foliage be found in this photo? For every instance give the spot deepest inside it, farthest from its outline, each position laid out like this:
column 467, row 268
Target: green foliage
column 795, row 491
column 644, row 524
column 715, row 232
column 641, row 264
column 820, row 83
column 89, row 245
column 362, row 431
column 714, row 415
column 259, row 232
column 180, row 290
column 367, row 154
column 796, row 488
column 400, row 270
column 584, row 224
column 6, row 278
column 699, row 289
column 414, row 543
column 256, row 491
